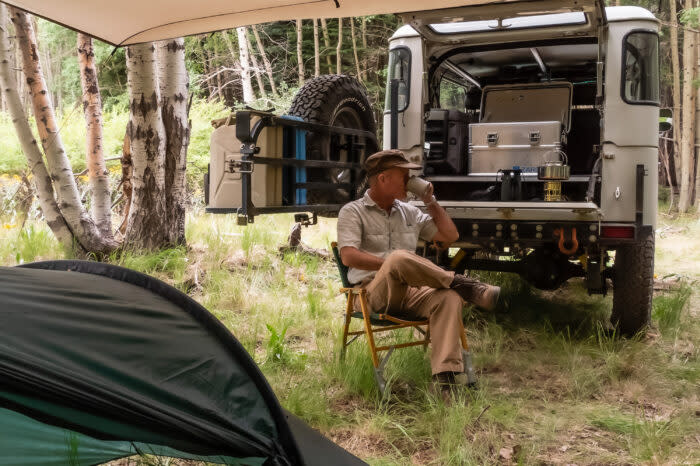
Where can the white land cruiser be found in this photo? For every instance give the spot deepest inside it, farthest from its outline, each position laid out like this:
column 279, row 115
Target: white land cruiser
column 536, row 121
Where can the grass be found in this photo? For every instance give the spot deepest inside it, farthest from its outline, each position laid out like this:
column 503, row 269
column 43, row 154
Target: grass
column 555, row 386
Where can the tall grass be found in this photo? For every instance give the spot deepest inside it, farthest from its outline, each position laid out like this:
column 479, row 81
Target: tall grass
column 667, row 309
column 550, row 373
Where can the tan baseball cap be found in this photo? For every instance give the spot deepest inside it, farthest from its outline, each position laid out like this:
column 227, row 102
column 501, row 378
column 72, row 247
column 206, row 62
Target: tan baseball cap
column 386, row 159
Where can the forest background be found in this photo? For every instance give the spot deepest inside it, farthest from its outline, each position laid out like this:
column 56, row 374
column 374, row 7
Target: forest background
column 263, row 67
column 555, row 388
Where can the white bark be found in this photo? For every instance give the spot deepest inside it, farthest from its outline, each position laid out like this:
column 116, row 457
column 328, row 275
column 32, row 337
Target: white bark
column 676, row 89
column 256, row 68
column 248, row 95
column 174, row 84
column 364, row 48
column 327, row 43
column 300, row 58
column 688, row 133
column 42, row 180
column 317, row 58
column 147, row 139
column 354, row 49
column 98, row 176
column 69, row 202
column 338, row 48
column 266, row 62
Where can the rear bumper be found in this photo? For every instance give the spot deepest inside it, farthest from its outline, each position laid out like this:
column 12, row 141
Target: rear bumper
column 497, row 234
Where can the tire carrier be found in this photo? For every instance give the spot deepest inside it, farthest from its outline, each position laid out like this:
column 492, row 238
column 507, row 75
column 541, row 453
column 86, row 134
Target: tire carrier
column 293, row 160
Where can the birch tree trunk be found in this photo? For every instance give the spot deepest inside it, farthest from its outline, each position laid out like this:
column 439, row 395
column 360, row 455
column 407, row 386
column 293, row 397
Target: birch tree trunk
column 327, row 43
column 256, row 69
column 317, row 58
column 125, row 183
column 101, row 203
column 232, row 51
column 354, row 49
column 41, row 178
column 300, row 57
column 83, row 227
column 688, row 133
column 696, row 145
column 174, row 84
column 248, row 95
column 266, row 62
column 338, row 48
column 675, row 69
column 364, row 47
column 147, row 140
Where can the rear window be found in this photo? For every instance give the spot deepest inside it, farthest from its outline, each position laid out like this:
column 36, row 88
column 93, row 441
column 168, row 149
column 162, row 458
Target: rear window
column 452, row 95
column 640, row 82
column 519, row 22
column 399, row 68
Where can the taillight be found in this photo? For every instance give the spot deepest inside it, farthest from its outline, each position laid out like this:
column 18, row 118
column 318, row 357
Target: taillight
column 617, row 232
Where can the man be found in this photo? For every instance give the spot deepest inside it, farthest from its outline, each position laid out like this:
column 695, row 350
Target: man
column 377, row 237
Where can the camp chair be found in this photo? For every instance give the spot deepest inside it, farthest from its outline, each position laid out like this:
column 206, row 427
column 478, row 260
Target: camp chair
column 376, row 323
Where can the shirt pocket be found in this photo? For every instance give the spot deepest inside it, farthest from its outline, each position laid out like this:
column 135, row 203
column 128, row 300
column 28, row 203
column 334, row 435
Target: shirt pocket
column 404, row 238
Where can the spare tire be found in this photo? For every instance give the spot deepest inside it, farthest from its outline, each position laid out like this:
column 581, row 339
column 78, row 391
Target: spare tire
column 335, row 100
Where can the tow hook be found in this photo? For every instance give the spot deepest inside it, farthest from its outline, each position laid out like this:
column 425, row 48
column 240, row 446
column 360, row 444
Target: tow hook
column 561, row 233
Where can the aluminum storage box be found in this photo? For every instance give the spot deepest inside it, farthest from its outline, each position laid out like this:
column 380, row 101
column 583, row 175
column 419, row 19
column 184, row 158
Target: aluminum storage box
column 502, row 146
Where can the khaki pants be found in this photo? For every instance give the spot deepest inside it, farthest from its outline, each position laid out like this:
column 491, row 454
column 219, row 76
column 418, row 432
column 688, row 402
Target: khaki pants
column 412, row 287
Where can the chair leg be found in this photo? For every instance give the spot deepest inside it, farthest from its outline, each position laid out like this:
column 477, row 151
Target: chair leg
column 427, row 338
column 348, row 317
column 467, row 358
column 379, row 372
column 368, row 330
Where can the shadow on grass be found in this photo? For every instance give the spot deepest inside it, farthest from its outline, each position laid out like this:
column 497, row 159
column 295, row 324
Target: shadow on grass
column 567, row 310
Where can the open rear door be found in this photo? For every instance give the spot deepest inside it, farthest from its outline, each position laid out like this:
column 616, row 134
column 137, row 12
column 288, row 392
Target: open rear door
column 134, row 21
column 521, row 19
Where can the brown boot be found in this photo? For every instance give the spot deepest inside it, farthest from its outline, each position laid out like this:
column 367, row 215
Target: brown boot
column 480, row 294
column 443, row 385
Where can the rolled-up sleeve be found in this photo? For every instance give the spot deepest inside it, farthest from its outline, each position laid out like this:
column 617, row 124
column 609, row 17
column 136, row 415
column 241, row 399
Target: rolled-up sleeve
column 426, row 226
column 349, row 227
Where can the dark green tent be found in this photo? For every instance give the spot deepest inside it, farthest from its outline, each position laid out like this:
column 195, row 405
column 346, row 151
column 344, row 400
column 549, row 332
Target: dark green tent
column 98, row 362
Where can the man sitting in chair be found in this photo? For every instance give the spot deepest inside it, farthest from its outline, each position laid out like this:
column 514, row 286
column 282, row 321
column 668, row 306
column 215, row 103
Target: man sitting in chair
column 377, row 237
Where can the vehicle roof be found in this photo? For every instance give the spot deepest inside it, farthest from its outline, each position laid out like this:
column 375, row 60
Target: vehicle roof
column 613, row 13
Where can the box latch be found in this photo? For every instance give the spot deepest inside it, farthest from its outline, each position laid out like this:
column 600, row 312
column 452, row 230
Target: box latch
column 492, row 139
column 534, row 137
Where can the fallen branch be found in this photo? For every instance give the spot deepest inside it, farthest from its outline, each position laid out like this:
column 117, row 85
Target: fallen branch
column 481, row 414
column 295, row 245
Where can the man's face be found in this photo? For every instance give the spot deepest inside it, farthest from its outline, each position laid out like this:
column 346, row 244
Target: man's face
column 394, row 181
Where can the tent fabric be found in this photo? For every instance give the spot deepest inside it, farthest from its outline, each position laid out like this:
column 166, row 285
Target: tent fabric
column 134, row 21
column 25, row 441
column 116, row 355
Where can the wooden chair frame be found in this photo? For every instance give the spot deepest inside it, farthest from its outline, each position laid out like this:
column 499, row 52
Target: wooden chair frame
column 377, row 323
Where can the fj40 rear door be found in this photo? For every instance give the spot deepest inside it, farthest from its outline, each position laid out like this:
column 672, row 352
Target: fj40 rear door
column 513, row 21
column 135, row 21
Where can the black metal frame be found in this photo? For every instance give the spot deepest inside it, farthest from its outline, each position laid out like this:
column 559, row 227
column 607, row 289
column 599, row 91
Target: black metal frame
column 248, row 134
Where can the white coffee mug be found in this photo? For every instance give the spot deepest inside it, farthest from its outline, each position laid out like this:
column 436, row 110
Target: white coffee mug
column 417, row 186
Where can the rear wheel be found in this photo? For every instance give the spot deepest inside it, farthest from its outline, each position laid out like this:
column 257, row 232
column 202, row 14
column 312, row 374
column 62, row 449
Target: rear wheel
column 633, row 285
column 335, row 100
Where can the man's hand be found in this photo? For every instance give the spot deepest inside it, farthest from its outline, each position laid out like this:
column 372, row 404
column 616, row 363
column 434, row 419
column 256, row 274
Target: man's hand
column 428, row 194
